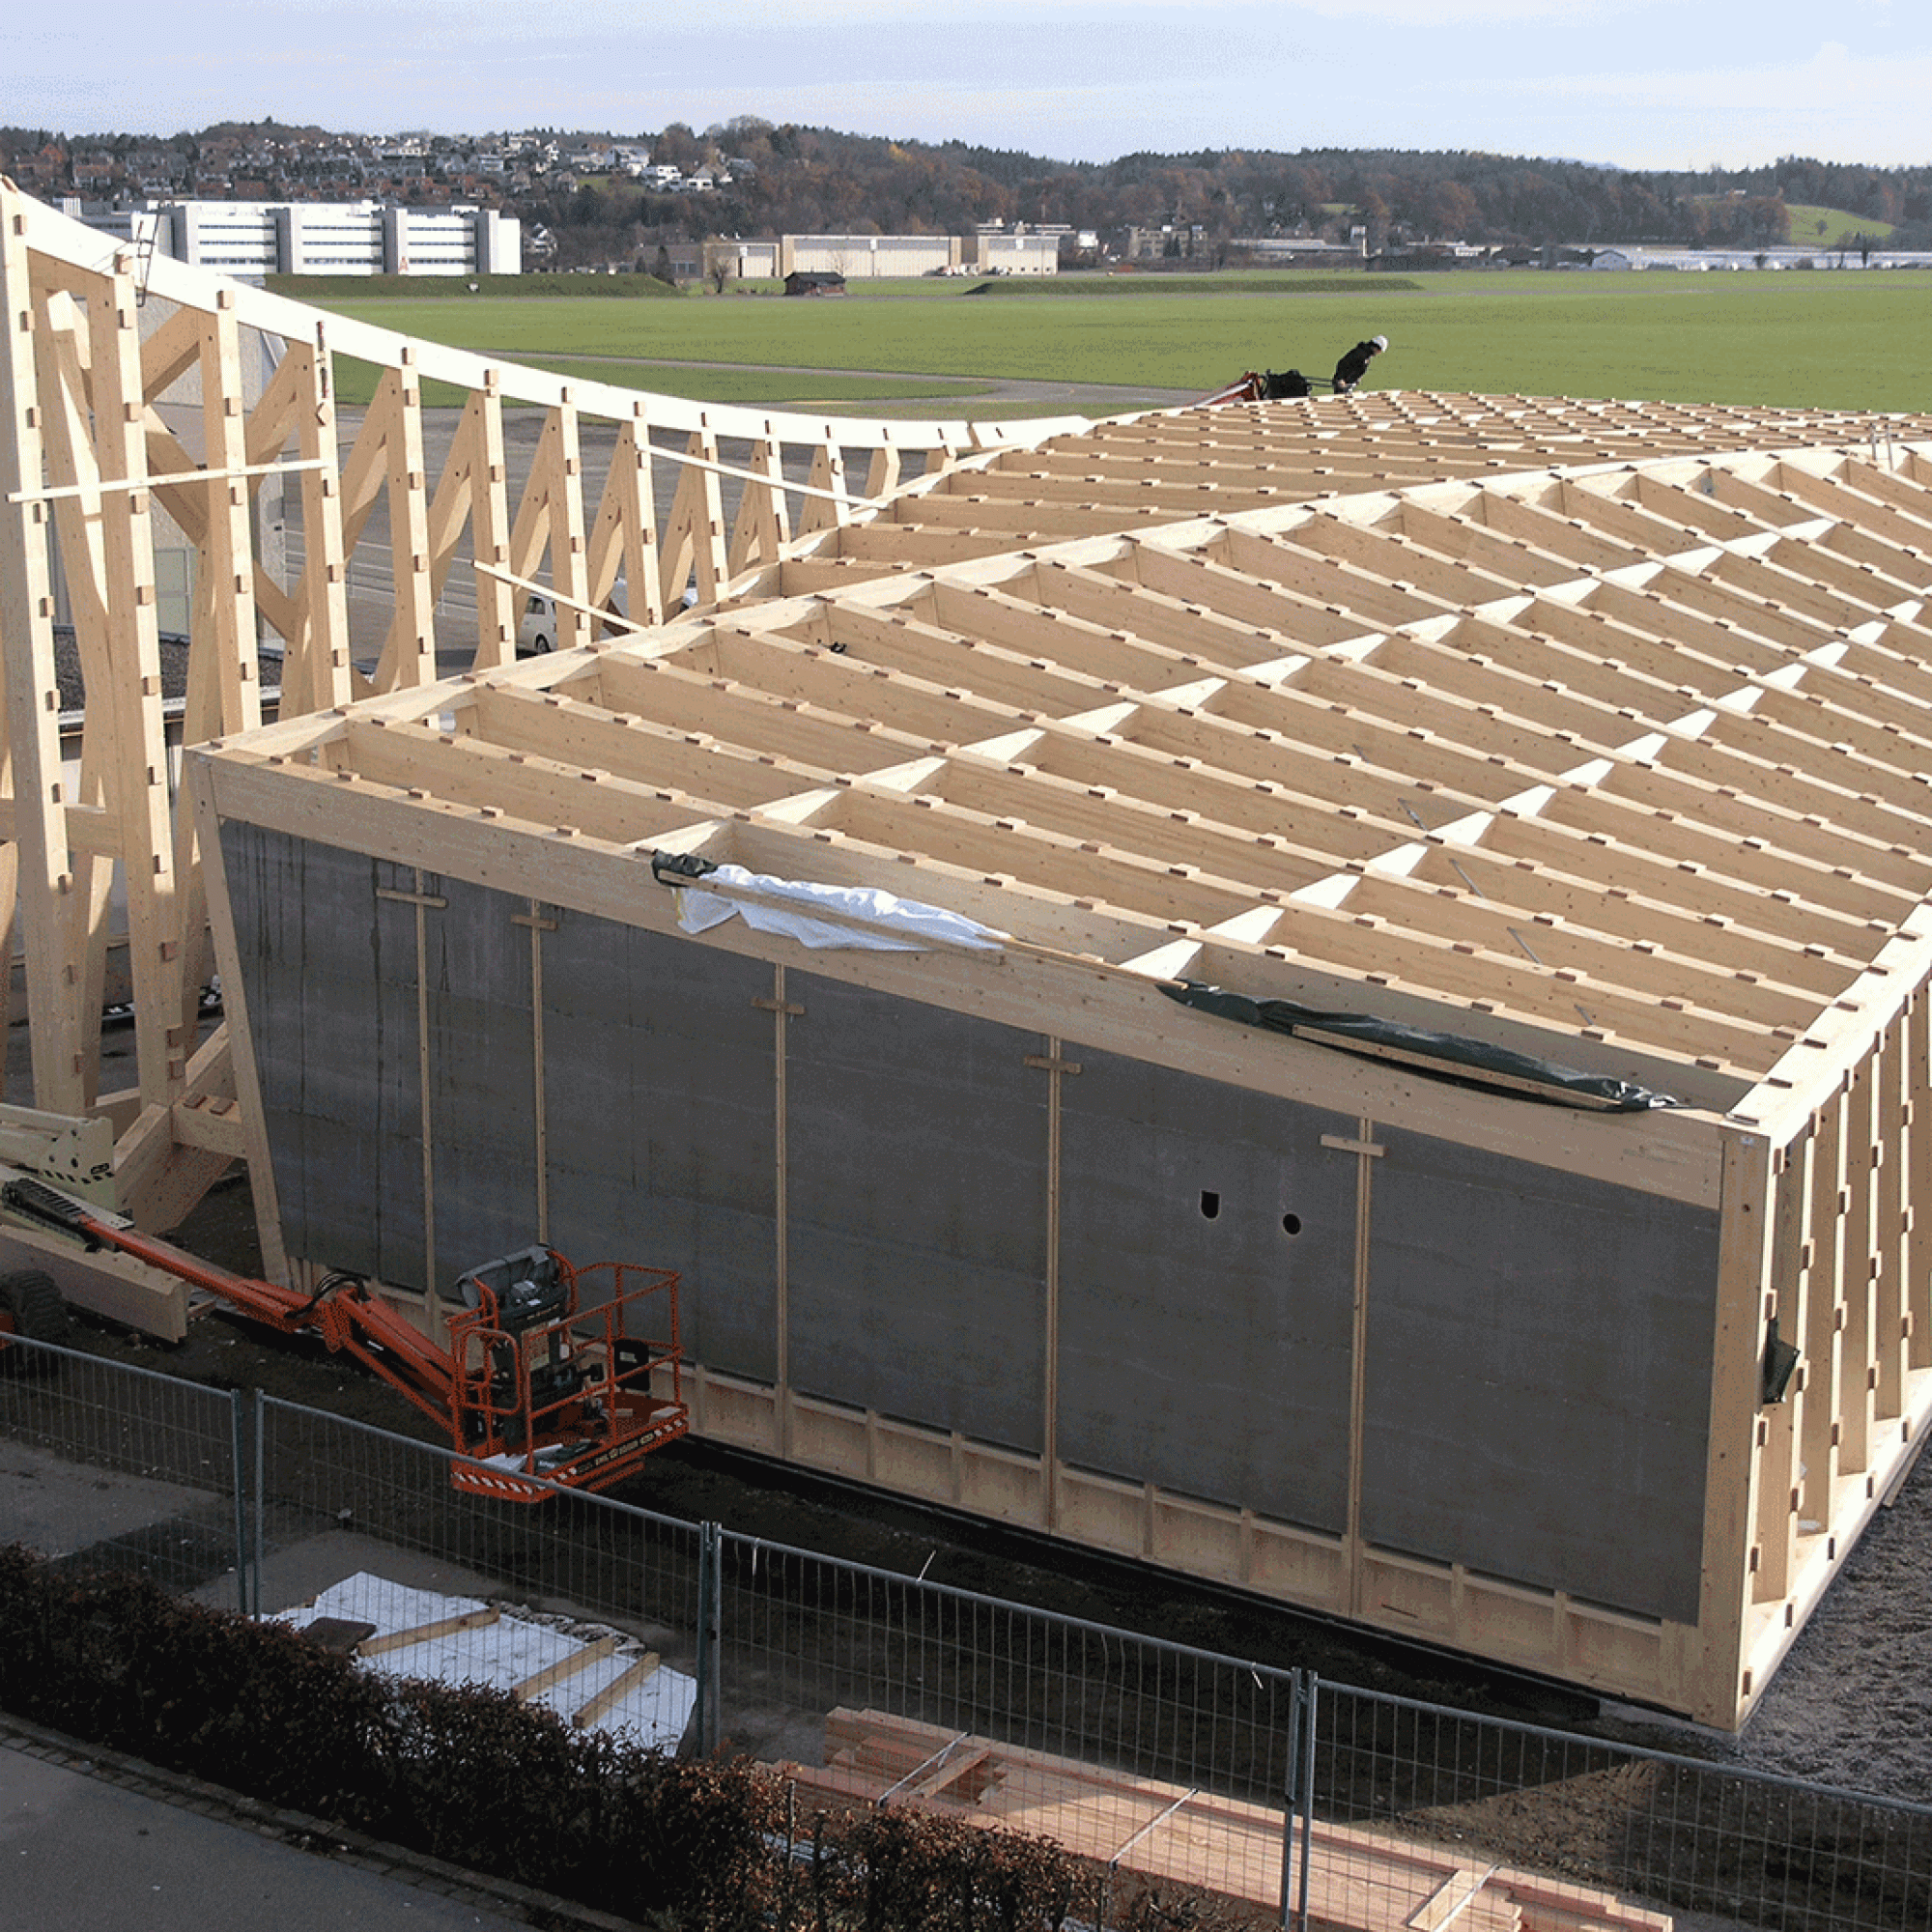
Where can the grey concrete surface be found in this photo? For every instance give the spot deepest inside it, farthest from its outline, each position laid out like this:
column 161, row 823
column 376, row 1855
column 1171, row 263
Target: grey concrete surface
column 57, row 1506
column 77, row 1852
column 299, row 1572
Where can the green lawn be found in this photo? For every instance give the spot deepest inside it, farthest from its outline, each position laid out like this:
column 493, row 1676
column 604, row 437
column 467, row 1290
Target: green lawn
column 1819, row 339
column 1838, row 227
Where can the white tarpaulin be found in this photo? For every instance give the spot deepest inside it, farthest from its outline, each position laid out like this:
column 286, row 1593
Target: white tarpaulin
column 861, row 916
column 652, row 1704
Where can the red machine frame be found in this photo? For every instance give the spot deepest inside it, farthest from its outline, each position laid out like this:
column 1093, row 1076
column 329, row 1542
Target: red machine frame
column 552, row 1389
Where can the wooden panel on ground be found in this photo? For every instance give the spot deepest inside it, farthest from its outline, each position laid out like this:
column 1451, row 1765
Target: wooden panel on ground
column 1358, row 1880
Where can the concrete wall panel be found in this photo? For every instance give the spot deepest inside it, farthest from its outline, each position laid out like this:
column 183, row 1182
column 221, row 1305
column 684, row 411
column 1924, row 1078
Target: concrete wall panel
column 660, row 1102
column 916, row 1145
column 329, row 974
column 1205, row 1345
column 1538, row 1372
column 482, row 1064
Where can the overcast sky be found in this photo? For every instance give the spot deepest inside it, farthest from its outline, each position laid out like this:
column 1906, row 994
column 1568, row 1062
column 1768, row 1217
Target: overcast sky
column 1638, row 83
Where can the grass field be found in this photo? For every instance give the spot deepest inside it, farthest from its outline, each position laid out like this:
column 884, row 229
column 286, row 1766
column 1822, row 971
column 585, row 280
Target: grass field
column 1815, row 339
column 1839, row 230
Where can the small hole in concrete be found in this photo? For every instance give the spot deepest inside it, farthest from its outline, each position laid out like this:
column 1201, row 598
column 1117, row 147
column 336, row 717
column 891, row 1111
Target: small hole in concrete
column 1211, row 1203
column 1291, row 1224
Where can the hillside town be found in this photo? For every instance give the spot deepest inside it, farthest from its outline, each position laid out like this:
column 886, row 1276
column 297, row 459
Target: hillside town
column 609, row 201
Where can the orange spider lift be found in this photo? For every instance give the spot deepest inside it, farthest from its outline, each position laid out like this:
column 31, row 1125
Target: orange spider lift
column 538, row 1379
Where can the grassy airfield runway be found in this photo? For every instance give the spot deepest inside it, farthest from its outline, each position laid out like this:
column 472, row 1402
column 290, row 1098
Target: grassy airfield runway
column 1823, row 338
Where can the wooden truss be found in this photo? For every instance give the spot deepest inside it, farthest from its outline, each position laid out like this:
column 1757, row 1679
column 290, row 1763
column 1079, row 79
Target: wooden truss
column 130, row 421
column 1625, row 763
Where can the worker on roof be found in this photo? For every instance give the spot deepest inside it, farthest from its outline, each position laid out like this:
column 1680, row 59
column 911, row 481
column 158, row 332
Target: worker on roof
column 1355, row 365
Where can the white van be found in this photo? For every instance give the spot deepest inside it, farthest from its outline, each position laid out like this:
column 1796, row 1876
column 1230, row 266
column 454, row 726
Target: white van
column 536, row 628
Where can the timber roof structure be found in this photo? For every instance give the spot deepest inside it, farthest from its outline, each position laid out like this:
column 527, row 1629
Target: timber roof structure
column 1613, row 757
column 1138, row 473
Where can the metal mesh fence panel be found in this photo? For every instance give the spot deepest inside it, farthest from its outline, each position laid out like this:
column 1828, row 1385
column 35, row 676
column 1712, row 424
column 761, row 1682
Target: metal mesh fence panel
column 336, row 1499
column 1547, row 1824
column 121, row 1468
column 1186, row 1781
column 1151, row 1760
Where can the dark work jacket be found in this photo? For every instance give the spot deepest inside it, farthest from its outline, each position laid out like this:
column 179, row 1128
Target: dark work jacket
column 1355, row 365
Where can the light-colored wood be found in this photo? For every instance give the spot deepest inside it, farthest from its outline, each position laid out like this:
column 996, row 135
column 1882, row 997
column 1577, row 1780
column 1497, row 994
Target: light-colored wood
column 109, row 1284
column 34, row 787
column 1775, row 1534
column 1718, row 1684
column 1449, row 1900
column 1820, row 1346
column 614, row 1692
column 1589, row 730
column 1917, row 1165
column 174, row 410
column 1358, row 1880
column 564, row 1669
column 407, row 1640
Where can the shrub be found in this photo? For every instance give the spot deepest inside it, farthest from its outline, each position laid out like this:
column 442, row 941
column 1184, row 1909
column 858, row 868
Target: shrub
column 472, row 1777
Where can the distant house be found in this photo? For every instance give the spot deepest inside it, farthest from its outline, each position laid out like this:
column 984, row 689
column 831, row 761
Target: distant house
column 814, row 282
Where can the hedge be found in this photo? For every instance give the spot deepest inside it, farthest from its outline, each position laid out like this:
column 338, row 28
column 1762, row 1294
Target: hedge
column 474, row 1777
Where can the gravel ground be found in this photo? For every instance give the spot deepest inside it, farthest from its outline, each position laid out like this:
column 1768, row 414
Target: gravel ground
column 1852, row 1704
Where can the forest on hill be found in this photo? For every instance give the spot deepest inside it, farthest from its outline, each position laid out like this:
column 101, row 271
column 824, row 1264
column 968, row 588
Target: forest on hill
column 764, row 177
column 812, row 180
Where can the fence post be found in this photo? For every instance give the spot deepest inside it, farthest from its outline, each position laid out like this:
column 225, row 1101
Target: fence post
column 261, row 1491
column 715, row 1707
column 1291, row 1807
column 238, row 1484
column 702, row 1669
column 1305, row 1824
column 710, row 1579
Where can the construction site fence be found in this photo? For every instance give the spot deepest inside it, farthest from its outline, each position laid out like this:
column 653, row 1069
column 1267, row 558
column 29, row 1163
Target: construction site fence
column 1257, row 1795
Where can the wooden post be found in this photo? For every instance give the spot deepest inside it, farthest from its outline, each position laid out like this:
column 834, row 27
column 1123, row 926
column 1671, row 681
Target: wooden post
column 38, row 795
column 1744, row 1256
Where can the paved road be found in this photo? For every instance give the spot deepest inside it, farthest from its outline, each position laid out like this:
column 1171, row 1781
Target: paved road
column 79, row 1852
column 1057, row 397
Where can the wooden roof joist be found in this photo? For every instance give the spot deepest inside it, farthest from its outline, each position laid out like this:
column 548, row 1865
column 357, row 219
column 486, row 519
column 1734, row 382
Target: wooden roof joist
column 1588, row 761
column 1164, row 467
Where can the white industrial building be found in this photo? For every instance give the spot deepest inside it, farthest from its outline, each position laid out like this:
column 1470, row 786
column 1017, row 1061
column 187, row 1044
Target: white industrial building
column 870, row 257
column 866, row 257
column 1026, row 252
column 252, row 239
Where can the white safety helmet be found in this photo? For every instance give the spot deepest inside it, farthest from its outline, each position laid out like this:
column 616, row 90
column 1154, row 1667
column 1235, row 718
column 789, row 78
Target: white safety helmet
column 1381, row 342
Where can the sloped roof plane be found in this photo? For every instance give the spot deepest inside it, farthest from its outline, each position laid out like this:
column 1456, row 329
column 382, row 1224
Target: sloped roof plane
column 1621, row 762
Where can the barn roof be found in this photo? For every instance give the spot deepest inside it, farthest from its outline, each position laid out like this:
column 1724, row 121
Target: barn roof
column 1475, row 713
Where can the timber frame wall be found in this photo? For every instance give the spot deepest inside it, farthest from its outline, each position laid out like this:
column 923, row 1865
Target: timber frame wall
column 1591, row 752
column 1623, row 764
column 114, row 424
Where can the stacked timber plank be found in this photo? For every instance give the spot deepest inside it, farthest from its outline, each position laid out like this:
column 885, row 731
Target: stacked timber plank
column 1357, row 1881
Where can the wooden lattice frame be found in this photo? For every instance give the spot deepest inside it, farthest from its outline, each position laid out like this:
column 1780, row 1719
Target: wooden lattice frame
column 88, row 462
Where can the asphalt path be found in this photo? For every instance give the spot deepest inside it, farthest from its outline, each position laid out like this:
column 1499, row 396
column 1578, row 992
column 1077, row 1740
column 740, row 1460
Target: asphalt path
column 1055, row 397
column 85, row 1843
